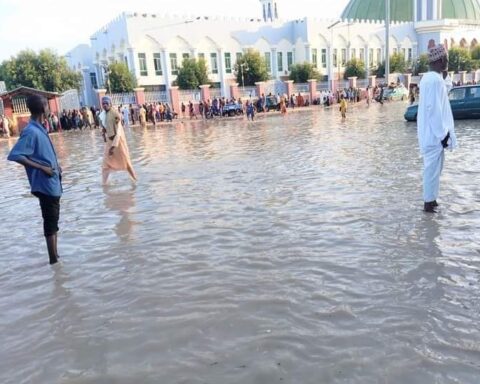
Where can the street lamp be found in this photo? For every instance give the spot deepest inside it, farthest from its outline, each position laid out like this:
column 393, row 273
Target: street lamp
column 242, row 65
column 387, row 41
column 106, row 72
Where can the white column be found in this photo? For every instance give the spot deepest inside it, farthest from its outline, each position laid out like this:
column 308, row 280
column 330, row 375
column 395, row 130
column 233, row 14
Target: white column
column 132, row 63
column 223, row 74
column 166, row 68
column 274, row 63
column 415, row 16
column 424, row 9
column 330, row 65
column 434, row 10
column 308, row 53
column 439, row 9
column 367, row 59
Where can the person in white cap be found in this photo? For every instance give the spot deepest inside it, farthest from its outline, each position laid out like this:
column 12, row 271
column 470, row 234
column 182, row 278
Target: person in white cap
column 435, row 125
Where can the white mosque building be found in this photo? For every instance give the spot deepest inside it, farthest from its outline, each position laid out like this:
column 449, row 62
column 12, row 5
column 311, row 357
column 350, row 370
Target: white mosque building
column 153, row 46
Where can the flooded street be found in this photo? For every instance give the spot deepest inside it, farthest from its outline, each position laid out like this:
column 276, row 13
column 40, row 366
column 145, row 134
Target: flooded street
column 289, row 250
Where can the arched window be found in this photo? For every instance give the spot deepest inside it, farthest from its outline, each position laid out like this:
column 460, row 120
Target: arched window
column 269, row 11
column 463, row 43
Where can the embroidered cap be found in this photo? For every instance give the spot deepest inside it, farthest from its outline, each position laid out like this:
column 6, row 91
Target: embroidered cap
column 107, row 99
column 436, row 53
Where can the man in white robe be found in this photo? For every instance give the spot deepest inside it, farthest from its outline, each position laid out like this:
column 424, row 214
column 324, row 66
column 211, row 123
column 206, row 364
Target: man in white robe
column 436, row 130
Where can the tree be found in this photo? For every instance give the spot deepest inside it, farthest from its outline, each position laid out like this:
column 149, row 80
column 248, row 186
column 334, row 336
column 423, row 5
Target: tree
column 397, row 63
column 253, row 67
column 356, row 68
column 421, row 66
column 201, row 71
column 120, row 78
column 192, row 74
column 459, row 59
column 380, row 70
column 301, row 73
column 475, row 52
column 45, row 70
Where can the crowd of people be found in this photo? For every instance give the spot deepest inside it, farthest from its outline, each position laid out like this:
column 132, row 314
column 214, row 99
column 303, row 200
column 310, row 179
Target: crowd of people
column 158, row 112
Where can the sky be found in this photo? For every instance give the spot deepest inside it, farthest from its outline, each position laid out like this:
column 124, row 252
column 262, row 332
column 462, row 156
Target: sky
column 63, row 24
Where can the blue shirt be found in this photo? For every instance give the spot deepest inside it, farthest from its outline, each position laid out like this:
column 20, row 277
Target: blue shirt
column 35, row 145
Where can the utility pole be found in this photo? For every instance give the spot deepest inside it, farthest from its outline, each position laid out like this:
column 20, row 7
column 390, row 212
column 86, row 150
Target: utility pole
column 387, row 41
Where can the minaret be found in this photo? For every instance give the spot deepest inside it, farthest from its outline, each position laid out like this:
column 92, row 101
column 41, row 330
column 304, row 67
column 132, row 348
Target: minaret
column 269, row 10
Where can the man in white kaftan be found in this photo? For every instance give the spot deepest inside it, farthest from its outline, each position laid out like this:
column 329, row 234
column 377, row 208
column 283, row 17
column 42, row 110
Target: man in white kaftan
column 436, row 130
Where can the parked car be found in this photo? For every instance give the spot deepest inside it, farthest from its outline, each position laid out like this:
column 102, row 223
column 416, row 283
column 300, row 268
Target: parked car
column 232, row 109
column 395, row 94
column 464, row 100
column 271, row 104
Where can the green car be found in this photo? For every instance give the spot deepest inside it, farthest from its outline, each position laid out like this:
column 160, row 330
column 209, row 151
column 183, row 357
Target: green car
column 464, row 100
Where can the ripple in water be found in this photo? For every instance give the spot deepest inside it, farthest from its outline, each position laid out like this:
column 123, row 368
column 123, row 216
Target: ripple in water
column 287, row 250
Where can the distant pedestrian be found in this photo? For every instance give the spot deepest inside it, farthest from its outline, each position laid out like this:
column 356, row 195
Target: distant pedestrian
column 183, row 109
column 343, row 107
column 116, row 155
column 250, row 111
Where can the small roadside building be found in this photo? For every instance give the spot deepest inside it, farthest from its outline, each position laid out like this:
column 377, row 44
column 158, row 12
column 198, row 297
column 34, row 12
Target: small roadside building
column 15, row 105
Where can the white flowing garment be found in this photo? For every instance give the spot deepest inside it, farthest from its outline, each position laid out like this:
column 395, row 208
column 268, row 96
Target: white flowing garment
column 435, row 118
column 434, row 122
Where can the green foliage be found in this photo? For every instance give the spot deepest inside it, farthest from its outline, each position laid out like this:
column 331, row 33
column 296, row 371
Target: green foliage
column 120, row 78
column 397, row 63
column 356, row 68
column 421, row 66
column 475, row 53
column 44, row 70
column 192, row 74
column 201, row 71
column 301, row 73
column 460, row 59
column 380, row 70
column 254, row 68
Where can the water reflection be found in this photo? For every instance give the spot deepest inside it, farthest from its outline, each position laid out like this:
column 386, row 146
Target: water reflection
column 121, row 201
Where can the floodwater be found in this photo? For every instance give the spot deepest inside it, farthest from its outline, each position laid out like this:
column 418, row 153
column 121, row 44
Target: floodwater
column 289, row 250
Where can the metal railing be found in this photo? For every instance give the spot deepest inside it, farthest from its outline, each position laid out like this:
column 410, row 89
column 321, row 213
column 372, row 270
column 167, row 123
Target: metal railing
column 123, row 98
column 189, row 95
column 247, row 92
column 20, row 104
column 215, row 92
column 322, row 86
column 69, row 100
column 157, row 97
column 300, row 88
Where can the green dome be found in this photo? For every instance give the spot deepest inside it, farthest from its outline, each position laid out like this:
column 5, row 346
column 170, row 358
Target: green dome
column 461, row 9
column 402, row 10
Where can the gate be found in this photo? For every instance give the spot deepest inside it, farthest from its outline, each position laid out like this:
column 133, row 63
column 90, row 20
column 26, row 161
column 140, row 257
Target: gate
column 69, row 100
column 275, row 87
